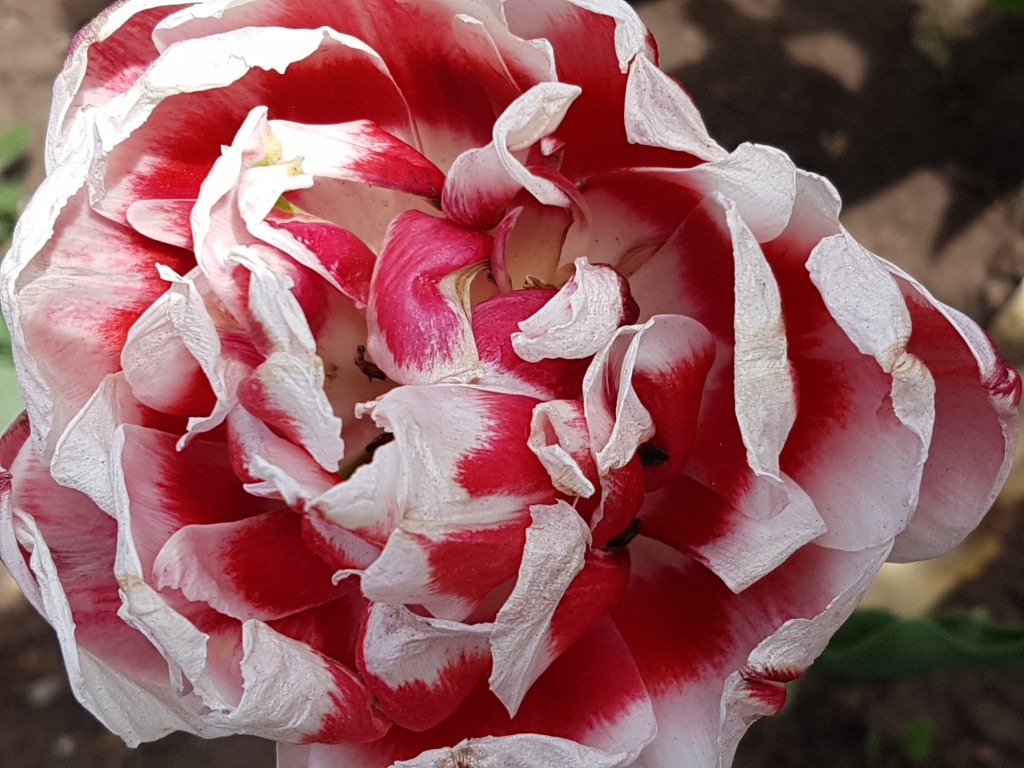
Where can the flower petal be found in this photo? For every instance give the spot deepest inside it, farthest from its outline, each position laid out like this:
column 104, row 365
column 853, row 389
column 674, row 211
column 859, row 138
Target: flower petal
column 578, row 320
column 482, row 182
column 571, row 717
column 556, row 542
column 659, row 113
column 494, row 323
column 420, row 669
column 58, row 546
column 975, row 429
column 420, row 287
column 294, row 694
column 215, row 564
column 716, row 657
column 868, row 305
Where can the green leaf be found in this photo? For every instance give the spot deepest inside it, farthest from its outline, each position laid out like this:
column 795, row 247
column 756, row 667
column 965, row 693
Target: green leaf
column 919, row 740
column 13, row 143
column 877, row 645
column 11, row 193
column 10, row 396
column 1016, row 6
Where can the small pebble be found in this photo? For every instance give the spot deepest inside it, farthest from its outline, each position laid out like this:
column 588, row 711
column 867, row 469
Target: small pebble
column 43, row 691
column 64, row 746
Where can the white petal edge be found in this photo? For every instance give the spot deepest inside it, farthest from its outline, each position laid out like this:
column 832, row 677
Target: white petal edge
column 556, row 541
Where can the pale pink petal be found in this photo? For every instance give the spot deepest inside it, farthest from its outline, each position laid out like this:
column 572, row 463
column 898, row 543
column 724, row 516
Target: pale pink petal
column 74, row 285
column 420, row 288
column 182, row 313
column 420, row 669
column 166, row 221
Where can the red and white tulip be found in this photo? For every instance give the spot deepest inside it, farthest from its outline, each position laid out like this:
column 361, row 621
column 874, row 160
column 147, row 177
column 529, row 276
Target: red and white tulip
column 418, row 384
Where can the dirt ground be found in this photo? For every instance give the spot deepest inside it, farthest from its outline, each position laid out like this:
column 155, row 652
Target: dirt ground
column 915, row 109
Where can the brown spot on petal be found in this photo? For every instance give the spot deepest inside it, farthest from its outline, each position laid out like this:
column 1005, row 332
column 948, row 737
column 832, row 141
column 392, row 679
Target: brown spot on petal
column 369, row 369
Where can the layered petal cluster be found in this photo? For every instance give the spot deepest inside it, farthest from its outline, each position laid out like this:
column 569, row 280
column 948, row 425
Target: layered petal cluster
column 416, row 383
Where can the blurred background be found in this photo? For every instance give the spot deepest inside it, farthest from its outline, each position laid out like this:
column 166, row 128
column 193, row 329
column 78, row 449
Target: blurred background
column 915, row 110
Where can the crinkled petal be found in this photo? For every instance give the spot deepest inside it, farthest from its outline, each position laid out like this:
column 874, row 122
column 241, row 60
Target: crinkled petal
column 420, row 669
column 578, row 320
column 482, row 182
column 660, row 113
column 556, row 542
column 868, row 305
column 294, row 694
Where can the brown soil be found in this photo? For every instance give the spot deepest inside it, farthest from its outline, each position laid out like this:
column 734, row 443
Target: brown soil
column 916, row 111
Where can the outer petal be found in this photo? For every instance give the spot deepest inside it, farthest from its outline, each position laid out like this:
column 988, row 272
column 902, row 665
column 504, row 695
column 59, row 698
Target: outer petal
column 57, row 545
column 267, row 66
column 975, row 432
column 716, row 661
column 63, row 320
column 867, row 304
column 437, row 53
